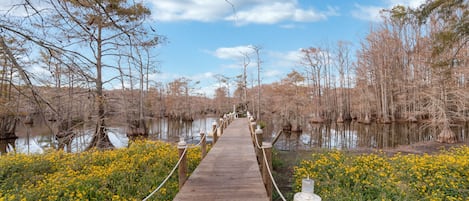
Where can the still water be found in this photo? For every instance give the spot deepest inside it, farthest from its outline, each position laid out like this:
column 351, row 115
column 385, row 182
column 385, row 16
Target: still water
column 37, row 138
column 353, row 135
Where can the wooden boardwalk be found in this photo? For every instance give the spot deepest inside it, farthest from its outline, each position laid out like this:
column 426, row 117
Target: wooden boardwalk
column 229, row 171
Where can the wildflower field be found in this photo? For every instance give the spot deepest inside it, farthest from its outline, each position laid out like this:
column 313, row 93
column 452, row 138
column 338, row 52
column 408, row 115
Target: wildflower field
column 342, row 176
column 120, row 174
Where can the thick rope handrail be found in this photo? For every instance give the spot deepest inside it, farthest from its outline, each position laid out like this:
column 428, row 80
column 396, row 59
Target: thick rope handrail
column 174, row 169
column 255, row 136
column 268, row 168
column 179, row 161
column 200, row 141
column 169, row 176
column 271, row 176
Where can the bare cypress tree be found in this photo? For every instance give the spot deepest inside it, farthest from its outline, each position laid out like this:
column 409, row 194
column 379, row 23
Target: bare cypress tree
column 89, row 34
column 448, row 30
column 344, row 67
column 314, row 64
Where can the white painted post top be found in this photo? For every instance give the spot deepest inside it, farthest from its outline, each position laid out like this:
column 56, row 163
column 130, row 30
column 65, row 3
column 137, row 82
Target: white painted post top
column 306, row 197
column 182, row 144
column 258, row 130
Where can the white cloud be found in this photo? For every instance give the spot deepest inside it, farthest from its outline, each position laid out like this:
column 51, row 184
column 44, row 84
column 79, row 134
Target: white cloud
column 39, row 71
column 285, row 59
column 231, row 66
column 372, row 13
column 367, row 13
column 202, row 76
column 272, row 74
column 207, row 90
column 406, row 3
column 196, row 10
column 233, row 52
column 241, row 12
column 169, row 77
column 205, row 81
column 274, row 12
column 164, row 77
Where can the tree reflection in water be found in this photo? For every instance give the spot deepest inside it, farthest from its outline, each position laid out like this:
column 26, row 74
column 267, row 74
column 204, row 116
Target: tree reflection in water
column 353, row 135
column 37, row 138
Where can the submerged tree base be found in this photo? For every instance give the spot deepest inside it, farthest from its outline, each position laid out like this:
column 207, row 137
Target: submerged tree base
column 100, row 138
column 447, row 136
column 100, row 141
column 7, row 136
column 137, row 129
column 8, row 127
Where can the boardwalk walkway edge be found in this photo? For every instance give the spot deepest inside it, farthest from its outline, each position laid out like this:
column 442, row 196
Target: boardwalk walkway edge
column 229, row 171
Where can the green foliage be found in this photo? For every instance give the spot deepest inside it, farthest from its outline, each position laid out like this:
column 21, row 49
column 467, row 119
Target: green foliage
column 276, row 161
column 454, row 14
column 122, row 174
column 339, row 176
column 262, row 124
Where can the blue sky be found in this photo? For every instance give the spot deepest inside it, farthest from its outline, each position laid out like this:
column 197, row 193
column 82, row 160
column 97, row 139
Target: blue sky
column 207, row 37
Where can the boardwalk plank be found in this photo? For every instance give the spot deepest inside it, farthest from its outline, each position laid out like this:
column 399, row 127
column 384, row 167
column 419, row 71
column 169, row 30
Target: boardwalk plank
column 229, row 172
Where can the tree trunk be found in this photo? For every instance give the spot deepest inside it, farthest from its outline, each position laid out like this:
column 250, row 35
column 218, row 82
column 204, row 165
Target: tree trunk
column 100, row 138
column 8, row 127
column 446, row 136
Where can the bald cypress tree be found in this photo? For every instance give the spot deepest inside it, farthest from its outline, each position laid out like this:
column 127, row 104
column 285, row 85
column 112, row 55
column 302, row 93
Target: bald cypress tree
column 91, row 36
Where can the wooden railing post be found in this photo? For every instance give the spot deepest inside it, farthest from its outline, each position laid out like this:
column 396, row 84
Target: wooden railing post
column 182, row 169
column 251, row 131
column 267, row 146
column 214, row 132
column 203, row 144
column 258, row 143
column 251, row 119
column 225, row 121
column 221, row 126
column 219, row 132
column 259, row 136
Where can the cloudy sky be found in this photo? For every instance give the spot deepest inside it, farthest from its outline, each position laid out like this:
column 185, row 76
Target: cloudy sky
column 209, row 37
column 206, row 38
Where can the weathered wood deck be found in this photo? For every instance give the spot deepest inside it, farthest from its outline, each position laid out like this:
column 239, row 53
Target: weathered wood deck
column 229, row 171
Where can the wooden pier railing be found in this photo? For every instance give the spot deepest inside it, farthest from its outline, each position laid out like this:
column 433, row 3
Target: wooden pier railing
column 230, row 171
column 238, row 167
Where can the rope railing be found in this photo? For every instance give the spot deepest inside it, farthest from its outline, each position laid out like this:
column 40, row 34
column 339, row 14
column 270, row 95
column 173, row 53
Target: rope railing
column 214, row 131
column 271, row 176
column 174, row 168
column 266, row 163
column 169, row 176
column 200, row 141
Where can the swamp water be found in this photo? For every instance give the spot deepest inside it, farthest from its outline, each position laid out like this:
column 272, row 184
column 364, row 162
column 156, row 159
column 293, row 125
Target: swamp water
column 37, row 137
column 354, row 135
